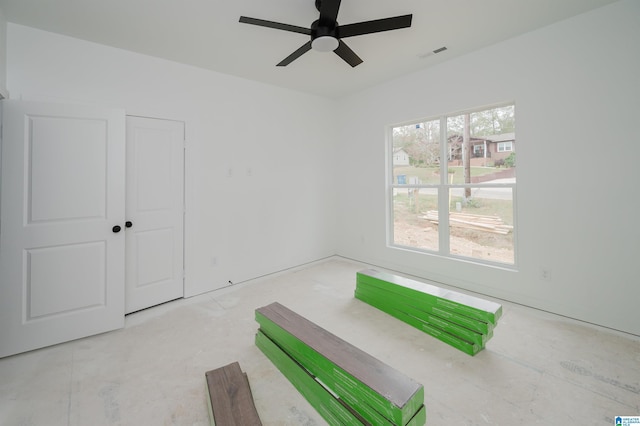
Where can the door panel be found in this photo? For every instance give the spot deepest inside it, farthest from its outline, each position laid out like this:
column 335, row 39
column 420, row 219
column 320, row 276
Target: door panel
column 62, row 191
column 52, row 139
column 155, row 256
column 154, row 151
column 55, row 273
column 155, row 206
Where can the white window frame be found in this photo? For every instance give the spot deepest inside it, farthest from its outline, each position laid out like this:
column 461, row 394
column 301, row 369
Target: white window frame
column 443, row 187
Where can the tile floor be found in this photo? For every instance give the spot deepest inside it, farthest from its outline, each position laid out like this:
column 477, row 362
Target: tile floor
column 538, row 368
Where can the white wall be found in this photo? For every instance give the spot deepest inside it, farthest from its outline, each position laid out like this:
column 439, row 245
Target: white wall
column 280, row 216
column 577, row 95
column 3, row 56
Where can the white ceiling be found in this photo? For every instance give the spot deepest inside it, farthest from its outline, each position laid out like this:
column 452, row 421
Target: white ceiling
column 207, row 34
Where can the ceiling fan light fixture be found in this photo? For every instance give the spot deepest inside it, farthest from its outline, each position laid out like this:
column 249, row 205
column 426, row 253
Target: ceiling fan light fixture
column 325, row 44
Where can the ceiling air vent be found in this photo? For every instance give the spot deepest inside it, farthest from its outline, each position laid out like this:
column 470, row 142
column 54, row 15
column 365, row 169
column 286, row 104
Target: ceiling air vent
column 433, row 52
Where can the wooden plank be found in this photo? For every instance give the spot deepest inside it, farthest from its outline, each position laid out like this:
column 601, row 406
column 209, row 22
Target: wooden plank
column 453, row 301
column 327, row 405
column 492, row 224
column 360, row 399
column 390, row 392
column 461, row 344
column 483, row 327
column 230, row 398
column 460, row 332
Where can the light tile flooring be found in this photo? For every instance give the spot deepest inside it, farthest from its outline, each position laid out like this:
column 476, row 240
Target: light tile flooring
column 538, row 368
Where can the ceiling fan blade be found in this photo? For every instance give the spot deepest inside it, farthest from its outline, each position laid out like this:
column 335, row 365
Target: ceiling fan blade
column 295, row 55
column 347, row 54
column 375, row 26
column 329, row 12
column 275, row 25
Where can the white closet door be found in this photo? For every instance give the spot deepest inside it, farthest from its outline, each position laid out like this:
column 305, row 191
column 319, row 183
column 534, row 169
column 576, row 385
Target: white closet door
column 62, row 199
column 155, row 212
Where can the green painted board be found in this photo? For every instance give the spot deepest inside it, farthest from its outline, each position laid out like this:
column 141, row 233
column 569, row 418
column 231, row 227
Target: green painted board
column 429, row 307
column 330, row 408
column 316, row 394
column 359, row 376
column 365, row 401
column 478, row 338
column 344, row 387
column 466, row 347
column 420, row 418
column 463, row 304
column 339, row 381
column 463, row 345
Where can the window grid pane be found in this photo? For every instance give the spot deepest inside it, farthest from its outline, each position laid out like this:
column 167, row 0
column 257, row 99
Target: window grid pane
column 482, row 226
column 412, row 208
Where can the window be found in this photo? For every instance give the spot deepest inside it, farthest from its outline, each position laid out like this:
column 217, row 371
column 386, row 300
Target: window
column 505, row 146
column 453, row 193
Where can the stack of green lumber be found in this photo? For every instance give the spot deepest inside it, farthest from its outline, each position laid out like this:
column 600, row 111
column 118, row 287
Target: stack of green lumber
column 463, row 321
column 346, row 385
column 230, row 400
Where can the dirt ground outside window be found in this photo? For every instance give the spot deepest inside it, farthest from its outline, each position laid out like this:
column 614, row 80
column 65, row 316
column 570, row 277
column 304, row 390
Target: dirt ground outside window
column 463, row 242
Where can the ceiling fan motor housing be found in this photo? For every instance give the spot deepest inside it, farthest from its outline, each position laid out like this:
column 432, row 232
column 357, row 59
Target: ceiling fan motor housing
column 318, row 30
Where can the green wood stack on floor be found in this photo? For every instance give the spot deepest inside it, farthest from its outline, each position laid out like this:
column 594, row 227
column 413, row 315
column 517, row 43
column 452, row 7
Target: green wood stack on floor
column 463, row 321
column 230, row 400
column 344, row 384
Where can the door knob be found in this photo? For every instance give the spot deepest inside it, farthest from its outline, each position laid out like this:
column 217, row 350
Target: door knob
column 128, row 224
column 116, row 229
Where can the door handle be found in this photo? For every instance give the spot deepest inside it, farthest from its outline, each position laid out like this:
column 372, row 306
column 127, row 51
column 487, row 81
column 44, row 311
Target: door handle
column 116, row 229
column 128, row 224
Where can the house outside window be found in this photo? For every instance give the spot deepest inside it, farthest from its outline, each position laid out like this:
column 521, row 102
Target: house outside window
column 401, row 158
column 461, row 207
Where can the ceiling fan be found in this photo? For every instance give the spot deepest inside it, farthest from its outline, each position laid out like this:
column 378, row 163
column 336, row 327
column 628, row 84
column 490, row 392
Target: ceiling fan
column 326, row 34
